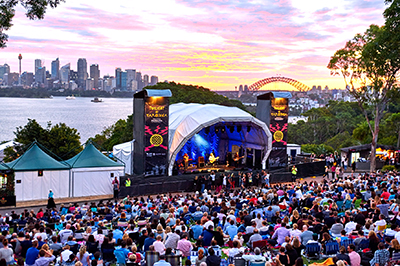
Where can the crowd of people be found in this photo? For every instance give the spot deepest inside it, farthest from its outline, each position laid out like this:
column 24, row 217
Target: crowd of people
column 352, row 219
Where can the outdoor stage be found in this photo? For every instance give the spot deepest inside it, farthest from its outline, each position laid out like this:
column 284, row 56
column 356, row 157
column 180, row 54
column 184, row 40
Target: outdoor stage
column 141, row 185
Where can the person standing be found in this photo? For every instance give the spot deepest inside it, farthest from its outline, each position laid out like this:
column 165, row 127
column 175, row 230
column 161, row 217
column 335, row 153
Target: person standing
column 50, row 201
column 294, row 173
column 115, row 184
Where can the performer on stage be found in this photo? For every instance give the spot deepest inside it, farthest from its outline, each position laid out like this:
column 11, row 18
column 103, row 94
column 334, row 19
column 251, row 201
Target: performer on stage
column 236, row 159
column 185, row 161
column 212, row 159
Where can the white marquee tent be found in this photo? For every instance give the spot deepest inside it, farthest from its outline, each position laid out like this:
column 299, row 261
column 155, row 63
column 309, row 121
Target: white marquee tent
column 186, row 120
column 36, row 173
column 124, row 152
column 92, row 173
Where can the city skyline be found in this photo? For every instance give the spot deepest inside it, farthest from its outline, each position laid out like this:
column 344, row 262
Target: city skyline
column 217, row 44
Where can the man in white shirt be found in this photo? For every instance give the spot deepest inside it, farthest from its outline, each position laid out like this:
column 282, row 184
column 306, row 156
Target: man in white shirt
column 350, row 226
column 159, row 245
column 65, row 233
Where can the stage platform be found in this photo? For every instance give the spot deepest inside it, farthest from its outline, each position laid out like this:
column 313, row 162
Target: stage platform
column 141, row 185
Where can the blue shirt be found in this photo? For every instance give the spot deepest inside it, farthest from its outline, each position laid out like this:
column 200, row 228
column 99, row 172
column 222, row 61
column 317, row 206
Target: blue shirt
column 162, row 263
column 197, row 230
column 31, row 255
column 207, row 237
column 231, row 230
column 147, row 243
column 117, row 234
column 121, row 254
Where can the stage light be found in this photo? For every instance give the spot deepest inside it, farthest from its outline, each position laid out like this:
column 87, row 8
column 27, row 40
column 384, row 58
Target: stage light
column 223, row 129
column 248, row 128
column 238, row 128
column 216, row 129
column 231, row 129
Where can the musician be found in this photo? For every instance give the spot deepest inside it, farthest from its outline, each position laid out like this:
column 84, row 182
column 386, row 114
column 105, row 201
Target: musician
column 236, row 159
column 186, row 161
column 212, row 159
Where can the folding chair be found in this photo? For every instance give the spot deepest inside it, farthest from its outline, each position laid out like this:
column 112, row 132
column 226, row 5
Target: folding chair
column 346, row 242
column 152, row 257
column 174, row 260
column 312, row 251
column 238, row 261
column 257, row 263
column 331, row 248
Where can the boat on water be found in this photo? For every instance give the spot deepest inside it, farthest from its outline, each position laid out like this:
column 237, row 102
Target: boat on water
column 97, row 100
column 72, row 97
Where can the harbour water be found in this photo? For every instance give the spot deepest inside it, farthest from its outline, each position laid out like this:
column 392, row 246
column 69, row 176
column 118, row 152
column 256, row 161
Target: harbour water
column 87, row 117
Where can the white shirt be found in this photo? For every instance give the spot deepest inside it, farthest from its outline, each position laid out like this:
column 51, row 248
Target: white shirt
column 208, row 223
column 350, row 226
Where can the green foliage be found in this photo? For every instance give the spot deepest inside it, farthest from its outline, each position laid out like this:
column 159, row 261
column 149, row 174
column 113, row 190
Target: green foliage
column 59, row 139
column 317, row 149
column 34, row 10
column 334, row 123
column 388, row 168
column 121, row 131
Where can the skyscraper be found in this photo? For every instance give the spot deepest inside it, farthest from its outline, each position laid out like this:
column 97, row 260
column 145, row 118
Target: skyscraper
column 4, row 69
column 153, row 80
column 145, row 80
column 139, row 80
column 38, row 63
column 65, row 73
column 131, row 79
column 55, row 68
column 82, row 73
column 40, row 76
column 124, row 81
column 118, row 78
column 95, row 74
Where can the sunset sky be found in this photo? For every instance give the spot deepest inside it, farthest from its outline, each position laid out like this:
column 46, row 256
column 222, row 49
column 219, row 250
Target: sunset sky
column 217, row 44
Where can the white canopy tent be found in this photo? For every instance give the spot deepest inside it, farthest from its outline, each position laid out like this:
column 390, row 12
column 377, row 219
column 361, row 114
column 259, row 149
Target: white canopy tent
column 186, row 120
column 92, row 173
column 124, row 152
column 36, row 173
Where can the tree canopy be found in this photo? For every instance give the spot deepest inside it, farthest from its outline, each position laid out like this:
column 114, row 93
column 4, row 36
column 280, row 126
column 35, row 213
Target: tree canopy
column 34, row 10
column 59, row 140
column 369, row 65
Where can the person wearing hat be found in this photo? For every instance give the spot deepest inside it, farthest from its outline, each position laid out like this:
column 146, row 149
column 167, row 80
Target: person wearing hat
column 50, row 201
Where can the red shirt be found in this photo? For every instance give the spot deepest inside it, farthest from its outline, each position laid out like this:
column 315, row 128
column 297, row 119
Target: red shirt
column 385, row 195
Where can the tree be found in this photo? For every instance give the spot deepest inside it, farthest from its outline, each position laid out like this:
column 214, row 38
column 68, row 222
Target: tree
column 393, row 122
column 369, row 65
column 59, row 140
column 34, row 10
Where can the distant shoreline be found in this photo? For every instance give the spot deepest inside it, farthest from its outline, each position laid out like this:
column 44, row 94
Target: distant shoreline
column 44, row 93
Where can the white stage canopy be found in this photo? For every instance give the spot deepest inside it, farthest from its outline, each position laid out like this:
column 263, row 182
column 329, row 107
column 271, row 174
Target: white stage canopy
column 186, row 120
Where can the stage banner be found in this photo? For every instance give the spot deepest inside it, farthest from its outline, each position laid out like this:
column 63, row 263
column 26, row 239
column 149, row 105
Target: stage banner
column 156, row 136
column 278, row 128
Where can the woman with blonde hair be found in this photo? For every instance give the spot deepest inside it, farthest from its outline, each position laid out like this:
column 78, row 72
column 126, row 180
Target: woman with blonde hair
column 83, row 256
column 295, row 217
column 160, row 232
column 125, row 237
